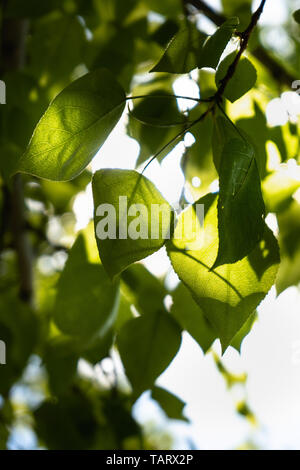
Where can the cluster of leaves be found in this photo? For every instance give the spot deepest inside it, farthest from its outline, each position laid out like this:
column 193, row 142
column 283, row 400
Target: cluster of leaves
column 103, row 299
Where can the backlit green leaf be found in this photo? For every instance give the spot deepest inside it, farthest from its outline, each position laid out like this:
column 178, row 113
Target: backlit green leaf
column 74, row 127
column 229, row 294
column 129, row 224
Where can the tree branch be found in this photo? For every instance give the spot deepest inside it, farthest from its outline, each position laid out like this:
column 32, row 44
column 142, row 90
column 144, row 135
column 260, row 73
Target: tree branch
column 245, row 36
column 278, row 72
column 13, row 58
column 208, row 11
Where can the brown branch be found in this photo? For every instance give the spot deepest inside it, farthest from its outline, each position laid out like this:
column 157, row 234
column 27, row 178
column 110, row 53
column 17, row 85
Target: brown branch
column 278, row 72
column 14, row 33
column 208, row 11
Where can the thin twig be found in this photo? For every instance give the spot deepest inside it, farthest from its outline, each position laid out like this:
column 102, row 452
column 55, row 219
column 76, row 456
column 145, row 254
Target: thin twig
column 180, row 134
column 245, row 36
column 178, row 97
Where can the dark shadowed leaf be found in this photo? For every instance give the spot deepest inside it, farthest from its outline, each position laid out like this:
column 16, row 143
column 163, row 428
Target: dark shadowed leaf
column 296, row 16
column 86, row 303
column 216, row 44
column 244, row 78
column 145, row 291
column 153, row 122
column 147, row 345
column 68, row 423
column 56, row 47
column 171, row 405
column 191, row 318
column 182, row 52
column 240, row 205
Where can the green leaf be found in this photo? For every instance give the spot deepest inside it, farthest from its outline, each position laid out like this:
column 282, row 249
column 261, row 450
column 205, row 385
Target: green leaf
column 191, row 318
column 223, row 132
column 147, row 345
column 67, row 423
column 114, row 10
column 155, row 121
column 296, row 16
column 164, row 32
column 240, row 206
column 74, row 127
column 236, row 343
column 117, row 411
column 171, row 405
column 239, row 8
column 99, row 348
column 168, row 8
column 181, row 54
column 124, row 313
column 19, row 330
column 61, row 364
column 158, row 109
column 134, row 228
column 229, row 294
column 243, row 80
column 145, row 291
column 216, row 44
column 257, row 133
column 104, row 51
column 56, row 47
column 86, row 300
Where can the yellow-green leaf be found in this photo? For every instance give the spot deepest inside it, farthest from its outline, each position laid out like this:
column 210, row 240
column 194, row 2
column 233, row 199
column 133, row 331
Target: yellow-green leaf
column 229, row 294
column 74, row 127
column 132, row 219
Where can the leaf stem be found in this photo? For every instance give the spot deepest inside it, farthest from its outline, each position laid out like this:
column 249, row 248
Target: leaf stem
column 180, row 134
column 178, row 97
